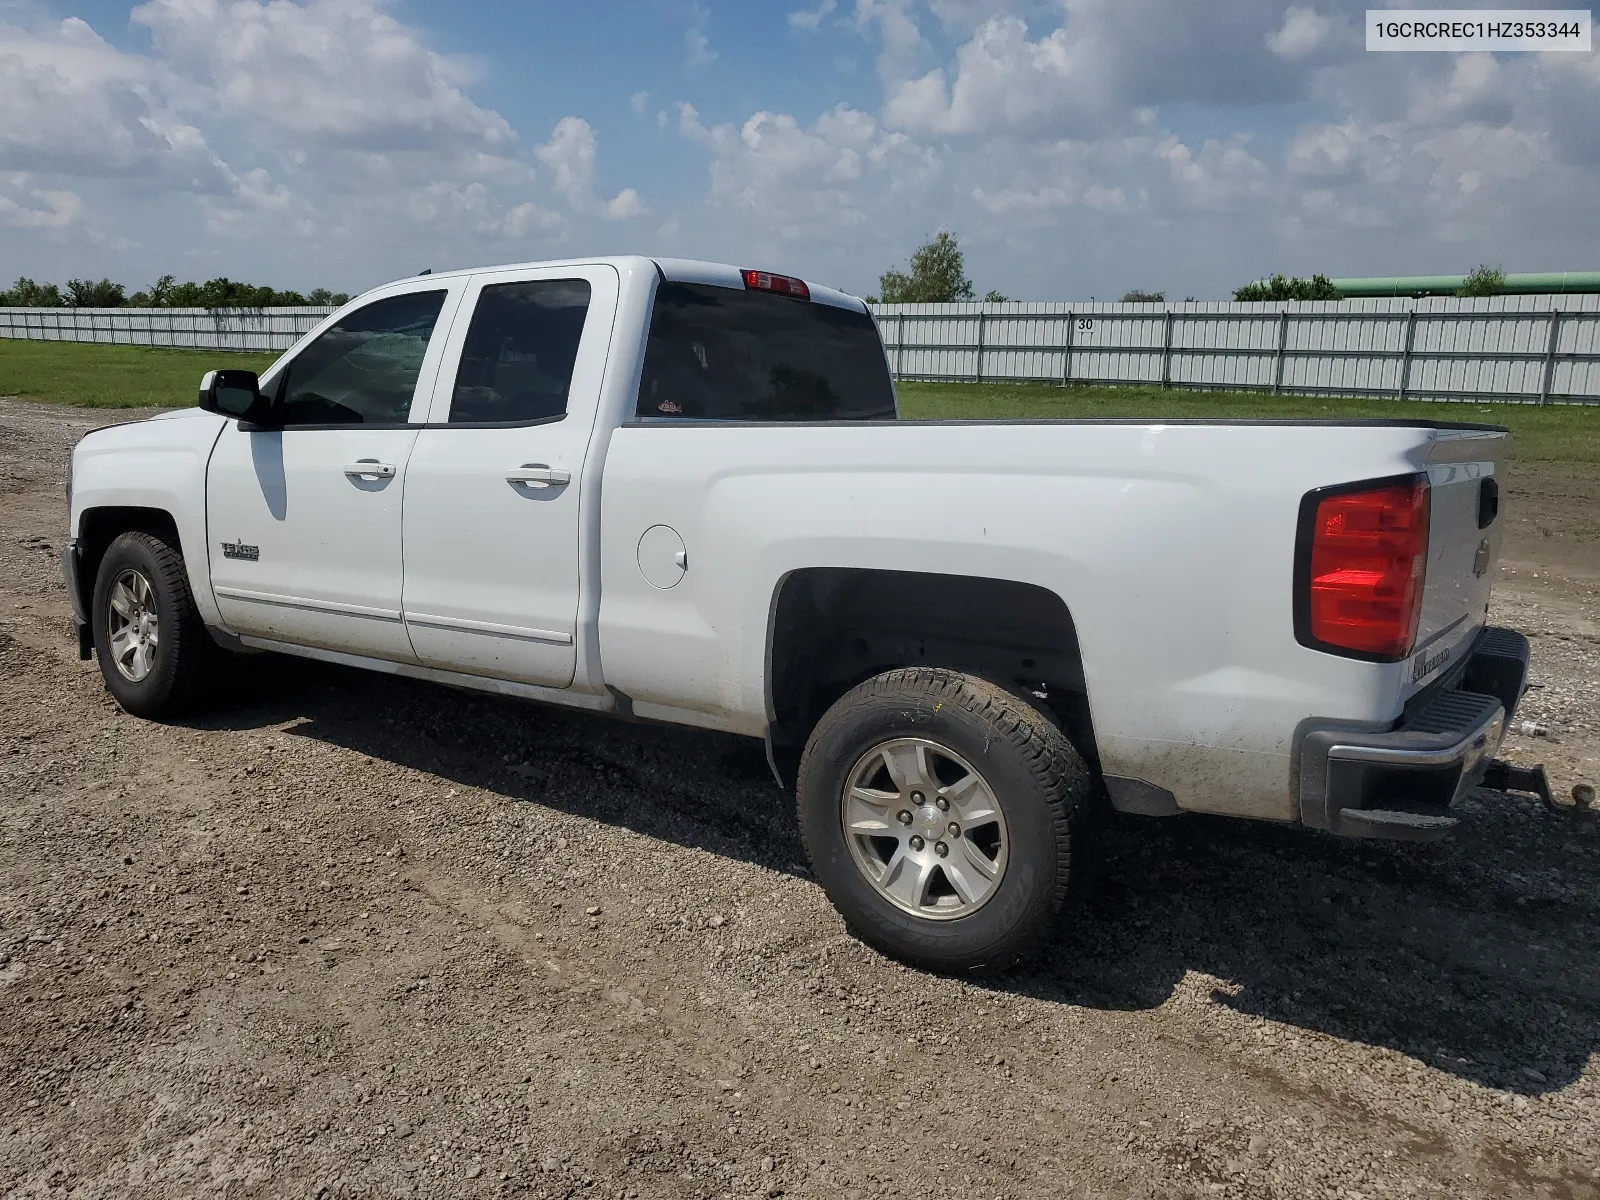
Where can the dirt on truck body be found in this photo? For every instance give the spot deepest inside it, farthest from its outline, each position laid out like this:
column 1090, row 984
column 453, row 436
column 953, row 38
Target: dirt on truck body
column 356, row 936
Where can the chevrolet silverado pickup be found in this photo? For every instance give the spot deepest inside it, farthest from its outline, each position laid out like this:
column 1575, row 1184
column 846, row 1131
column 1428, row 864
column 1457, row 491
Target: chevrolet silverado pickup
column 680, row 492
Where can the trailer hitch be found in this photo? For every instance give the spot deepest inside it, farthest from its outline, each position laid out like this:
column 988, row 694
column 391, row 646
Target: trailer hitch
column 1501, row 776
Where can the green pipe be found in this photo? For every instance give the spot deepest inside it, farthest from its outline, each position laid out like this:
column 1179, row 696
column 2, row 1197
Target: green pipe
column 1538, row 283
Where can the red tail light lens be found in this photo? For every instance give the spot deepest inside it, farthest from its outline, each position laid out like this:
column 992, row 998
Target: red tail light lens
column 784, row 285
column 1362, row 563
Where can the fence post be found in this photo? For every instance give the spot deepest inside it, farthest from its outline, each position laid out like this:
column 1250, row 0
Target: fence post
column 1283, row 340
column 1550, row 356
column 1066, row 349
column 983, row 320
column 1405, row 359
column 1166, row 352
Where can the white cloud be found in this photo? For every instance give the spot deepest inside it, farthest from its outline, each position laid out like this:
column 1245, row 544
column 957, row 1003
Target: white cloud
column 696, row 43
column 1303, row 31
column 689, row 124
column 902, row 46
column 56, row 210
column 1075, row 146
column 311, row 137
column 625, row 206
column 811, row 18
column 776, row 176
column 340, row 71
column 528, row 219
column 1001, row 78
column 71, row 102
column 1347, row 150
column 570, row 153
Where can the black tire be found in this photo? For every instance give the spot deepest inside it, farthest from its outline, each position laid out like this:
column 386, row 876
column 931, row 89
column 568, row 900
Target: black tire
column 1038, row 781
column 180, row 666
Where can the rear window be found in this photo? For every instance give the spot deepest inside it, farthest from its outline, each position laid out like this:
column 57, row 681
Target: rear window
column 724, row 354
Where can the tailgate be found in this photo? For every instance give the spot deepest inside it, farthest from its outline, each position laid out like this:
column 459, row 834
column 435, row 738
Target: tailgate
column 1463, row 547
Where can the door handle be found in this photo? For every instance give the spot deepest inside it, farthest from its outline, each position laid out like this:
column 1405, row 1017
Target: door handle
column 370, row 468
column 538, row 475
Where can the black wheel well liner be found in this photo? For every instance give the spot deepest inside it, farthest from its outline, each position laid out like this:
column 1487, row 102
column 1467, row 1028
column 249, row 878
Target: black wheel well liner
column 831, row 628
column 99, row 527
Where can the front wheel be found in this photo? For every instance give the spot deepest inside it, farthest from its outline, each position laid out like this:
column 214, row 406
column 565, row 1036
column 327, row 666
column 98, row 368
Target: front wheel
column 153, row 649
column 945, row 817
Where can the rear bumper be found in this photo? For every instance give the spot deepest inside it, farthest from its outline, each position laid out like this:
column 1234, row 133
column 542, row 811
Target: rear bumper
column 1402, row 783
column 71, row 563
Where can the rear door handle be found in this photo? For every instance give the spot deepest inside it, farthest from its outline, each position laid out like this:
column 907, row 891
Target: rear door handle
column 538, row 475
column 370, row 468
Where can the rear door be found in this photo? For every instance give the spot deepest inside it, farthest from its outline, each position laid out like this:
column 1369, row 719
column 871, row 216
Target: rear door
column 493, row 486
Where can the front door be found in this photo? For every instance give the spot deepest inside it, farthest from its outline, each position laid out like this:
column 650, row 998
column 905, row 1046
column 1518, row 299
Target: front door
column 493, row 489
column 303, row 519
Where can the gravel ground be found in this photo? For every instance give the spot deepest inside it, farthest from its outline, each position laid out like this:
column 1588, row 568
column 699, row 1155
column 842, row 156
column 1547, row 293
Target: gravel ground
column 357, row 937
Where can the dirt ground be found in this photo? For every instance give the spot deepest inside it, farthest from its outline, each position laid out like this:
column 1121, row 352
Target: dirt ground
column 356, row 937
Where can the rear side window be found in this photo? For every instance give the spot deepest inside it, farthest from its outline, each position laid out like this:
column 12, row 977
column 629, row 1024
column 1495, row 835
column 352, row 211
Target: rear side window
column 725, row 354
column 516, row 365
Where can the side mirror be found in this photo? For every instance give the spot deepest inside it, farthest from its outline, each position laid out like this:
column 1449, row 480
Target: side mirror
column 233, row 394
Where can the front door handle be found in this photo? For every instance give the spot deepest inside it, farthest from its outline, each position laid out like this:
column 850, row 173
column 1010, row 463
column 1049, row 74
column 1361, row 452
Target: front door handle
column 370, row 468
column 538, row 475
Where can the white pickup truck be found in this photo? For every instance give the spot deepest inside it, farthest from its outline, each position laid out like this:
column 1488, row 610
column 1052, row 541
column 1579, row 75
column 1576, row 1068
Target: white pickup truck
column 675, row 491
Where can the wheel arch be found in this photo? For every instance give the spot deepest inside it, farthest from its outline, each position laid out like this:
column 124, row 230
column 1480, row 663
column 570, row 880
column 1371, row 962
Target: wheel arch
column 99, row 527
column 831, row 628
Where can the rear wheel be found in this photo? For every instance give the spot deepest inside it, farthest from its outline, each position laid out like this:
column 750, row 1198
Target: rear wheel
column 945, row 817
column 153, row 649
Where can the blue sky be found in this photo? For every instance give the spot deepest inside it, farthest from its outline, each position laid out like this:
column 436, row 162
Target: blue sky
column 1076, row 147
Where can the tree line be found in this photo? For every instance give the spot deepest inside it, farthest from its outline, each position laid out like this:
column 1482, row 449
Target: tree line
column 165, row 292
column 937, row 275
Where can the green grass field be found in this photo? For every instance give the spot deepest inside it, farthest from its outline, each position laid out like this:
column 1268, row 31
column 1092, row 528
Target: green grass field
column 139, row 377
column 1553, row 433
column 112, row 376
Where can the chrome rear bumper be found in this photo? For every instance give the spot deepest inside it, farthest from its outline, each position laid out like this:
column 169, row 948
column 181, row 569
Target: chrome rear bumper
column 1403, row 782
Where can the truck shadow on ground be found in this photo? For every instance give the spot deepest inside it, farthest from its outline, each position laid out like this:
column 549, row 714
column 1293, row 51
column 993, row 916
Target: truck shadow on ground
column 1479, row 955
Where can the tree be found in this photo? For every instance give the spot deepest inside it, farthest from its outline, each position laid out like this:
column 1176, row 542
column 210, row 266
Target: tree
column 86, row 293
column 25, row 293
column 1485, row 281
column 935, row 276
column 1136, row 296
column 1318, row 287
column 994, row 297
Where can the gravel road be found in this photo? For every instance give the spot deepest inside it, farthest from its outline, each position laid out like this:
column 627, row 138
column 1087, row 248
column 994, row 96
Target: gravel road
column 351, row 936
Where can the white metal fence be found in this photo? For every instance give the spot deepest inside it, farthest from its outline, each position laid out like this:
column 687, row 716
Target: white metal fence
column 260, row 329
column 1530, row 349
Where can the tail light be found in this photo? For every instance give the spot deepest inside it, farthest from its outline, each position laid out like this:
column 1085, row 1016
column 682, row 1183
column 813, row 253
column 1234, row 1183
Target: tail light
column 784, row 285
column 1360, row 564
